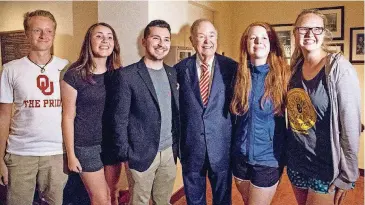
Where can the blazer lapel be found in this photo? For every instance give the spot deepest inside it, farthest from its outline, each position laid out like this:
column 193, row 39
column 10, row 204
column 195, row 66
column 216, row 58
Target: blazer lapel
column 173, row 84
column 217, row 81
column 143, row 72
column 193, row 76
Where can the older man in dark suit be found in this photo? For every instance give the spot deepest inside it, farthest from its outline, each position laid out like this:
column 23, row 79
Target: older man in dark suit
column 205, row 90
column 145, row 119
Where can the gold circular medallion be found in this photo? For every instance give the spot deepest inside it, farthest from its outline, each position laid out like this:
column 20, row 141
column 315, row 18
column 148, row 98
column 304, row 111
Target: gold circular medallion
column 301, row 113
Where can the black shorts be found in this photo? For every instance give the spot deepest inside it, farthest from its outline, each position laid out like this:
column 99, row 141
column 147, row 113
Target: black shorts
column 258, row 175
column 89, row 158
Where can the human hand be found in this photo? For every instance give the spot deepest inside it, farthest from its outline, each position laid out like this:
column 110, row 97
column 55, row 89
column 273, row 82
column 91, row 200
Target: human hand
column 74, row 165
column 3, row 173
column 339, row 194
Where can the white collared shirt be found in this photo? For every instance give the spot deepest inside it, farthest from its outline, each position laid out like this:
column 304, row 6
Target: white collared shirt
column 199, row 62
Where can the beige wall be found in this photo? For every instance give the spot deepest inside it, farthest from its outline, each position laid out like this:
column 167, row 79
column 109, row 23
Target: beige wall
column 174, row 13
column 181, row 14
column 223, row 16
column 128, row 18
column 85, row 14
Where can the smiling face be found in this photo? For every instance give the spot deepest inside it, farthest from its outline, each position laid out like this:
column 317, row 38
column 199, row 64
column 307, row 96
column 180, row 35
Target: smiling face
column 102, row 41
column 204, row 40
column 157, row 43
column 309, row 42
column 40, row 33
column 258, row 44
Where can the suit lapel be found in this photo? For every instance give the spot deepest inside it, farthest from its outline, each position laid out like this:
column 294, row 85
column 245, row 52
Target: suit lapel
column 217, row 81
column 143, row 72
column 173, row 83
column 193, row 77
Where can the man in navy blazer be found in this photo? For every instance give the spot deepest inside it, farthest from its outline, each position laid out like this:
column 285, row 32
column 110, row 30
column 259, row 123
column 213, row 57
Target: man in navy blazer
column 206, row 129
column 145, row 126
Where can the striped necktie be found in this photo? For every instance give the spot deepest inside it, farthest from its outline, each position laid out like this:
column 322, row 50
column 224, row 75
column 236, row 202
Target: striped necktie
column 204, row 83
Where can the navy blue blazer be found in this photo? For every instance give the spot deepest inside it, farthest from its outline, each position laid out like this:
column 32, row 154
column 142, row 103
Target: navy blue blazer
column 136, row 116
column 205, row 130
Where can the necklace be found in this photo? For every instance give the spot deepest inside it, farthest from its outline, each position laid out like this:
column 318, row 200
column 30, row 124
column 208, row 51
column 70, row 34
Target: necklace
column 43, row 68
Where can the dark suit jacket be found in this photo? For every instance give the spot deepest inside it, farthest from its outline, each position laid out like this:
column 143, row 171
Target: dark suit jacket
column 136, row 117
column 205, row 130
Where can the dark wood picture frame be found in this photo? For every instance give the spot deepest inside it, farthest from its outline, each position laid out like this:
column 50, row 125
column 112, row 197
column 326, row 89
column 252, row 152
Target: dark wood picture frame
column 13, row 45
column 337, row 46
column 336, row 20
column 357, row 48
column 286, row 37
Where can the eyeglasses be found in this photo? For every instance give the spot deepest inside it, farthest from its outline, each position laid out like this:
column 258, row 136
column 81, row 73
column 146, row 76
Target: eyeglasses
column 305, row 30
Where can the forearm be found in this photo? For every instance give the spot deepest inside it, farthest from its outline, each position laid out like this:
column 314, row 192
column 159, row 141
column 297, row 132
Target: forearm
column 68, row 135
column 69, row 96
column 5, row 117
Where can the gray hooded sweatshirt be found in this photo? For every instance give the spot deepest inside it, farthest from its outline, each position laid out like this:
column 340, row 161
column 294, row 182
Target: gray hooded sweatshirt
column 345, row 119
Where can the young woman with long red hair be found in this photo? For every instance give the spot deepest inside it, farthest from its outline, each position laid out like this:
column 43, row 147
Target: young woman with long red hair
column 258, row 103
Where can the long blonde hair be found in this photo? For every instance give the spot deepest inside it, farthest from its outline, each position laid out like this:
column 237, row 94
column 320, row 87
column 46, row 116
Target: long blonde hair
column 298, row 54
column 276, row 81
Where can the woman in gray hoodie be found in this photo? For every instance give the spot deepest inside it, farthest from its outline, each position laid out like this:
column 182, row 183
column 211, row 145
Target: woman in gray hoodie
column 323, row 104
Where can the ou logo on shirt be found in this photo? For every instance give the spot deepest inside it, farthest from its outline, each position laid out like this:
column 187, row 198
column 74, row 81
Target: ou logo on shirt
column 45, row 85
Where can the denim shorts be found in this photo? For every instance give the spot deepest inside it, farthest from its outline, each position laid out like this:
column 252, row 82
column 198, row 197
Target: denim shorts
column 89, row 158
column 258, row 175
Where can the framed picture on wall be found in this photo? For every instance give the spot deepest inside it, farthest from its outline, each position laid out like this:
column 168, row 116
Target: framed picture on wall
column 336, row 20
column 286, row 37
column 338, row 47
column 357, row 49
column 14, row 45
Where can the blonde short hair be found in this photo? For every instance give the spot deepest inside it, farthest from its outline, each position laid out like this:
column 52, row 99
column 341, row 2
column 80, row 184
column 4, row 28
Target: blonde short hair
column 29, row 15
